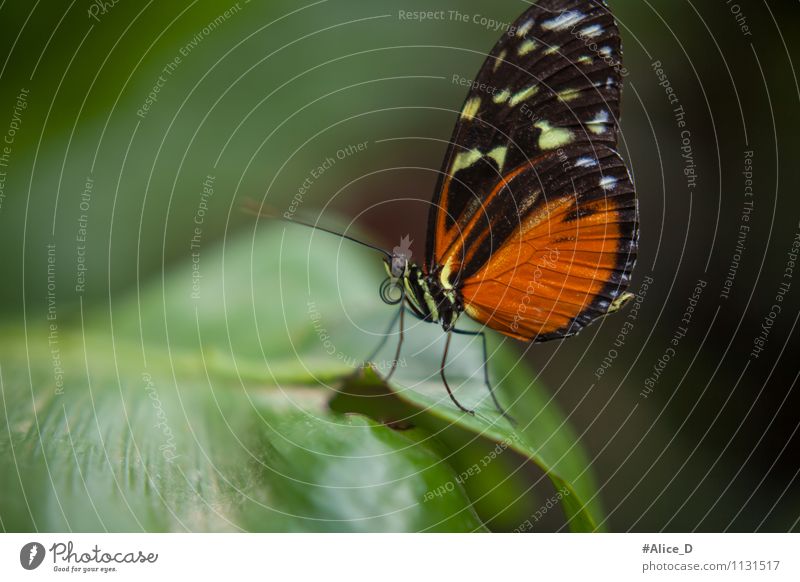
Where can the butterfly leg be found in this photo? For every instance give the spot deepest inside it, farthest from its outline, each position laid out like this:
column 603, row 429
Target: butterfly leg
column 384, row 339
column 444, row 379
column 497, row 405
column 401, row 315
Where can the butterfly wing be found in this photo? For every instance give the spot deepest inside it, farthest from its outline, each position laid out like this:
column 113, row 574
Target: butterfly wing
column 534, row 220
column 567, row 251
column 553, row 79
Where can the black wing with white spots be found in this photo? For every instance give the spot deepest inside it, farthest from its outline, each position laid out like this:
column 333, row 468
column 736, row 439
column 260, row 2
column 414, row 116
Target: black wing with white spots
column 553, row 80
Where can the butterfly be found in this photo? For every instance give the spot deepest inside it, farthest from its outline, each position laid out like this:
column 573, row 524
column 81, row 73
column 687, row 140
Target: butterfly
column 533, row 230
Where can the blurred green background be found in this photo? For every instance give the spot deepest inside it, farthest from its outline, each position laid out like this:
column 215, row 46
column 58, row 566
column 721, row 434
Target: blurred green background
column 120, row 115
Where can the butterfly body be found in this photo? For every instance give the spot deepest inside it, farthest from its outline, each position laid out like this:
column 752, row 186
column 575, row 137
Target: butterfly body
column 425, row 293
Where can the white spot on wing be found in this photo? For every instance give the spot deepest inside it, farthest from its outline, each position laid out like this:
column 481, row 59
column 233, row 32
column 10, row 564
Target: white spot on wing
column 526, row 47
column 520, row 96
column 592, row 31
column 601, row 117
column 569, row 95
column 498, row 154
column 525, row 28
column 563, row 20
column 585, row 162
column 552, row 137
column 608, row 182
column 599, row 124
column 464, row 160
column 502, row 96
column 471, row 108
column 499, row 60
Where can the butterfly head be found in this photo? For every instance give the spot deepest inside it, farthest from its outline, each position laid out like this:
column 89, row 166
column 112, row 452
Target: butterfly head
column 424, row 293
column 401, row 258
column 403, row 276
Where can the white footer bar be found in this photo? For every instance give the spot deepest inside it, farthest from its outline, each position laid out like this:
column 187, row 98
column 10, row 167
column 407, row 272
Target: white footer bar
column 400, row 557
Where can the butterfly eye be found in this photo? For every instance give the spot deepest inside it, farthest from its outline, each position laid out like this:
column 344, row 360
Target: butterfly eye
column 391, row 291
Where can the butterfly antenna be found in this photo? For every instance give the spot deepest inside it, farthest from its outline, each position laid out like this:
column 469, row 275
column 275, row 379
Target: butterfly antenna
column 271, row 213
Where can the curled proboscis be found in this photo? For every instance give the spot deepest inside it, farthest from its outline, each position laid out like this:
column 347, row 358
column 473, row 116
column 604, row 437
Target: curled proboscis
column 391, row 291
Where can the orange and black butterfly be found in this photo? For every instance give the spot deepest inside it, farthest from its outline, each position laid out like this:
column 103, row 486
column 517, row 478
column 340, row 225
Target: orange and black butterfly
column 533, row 229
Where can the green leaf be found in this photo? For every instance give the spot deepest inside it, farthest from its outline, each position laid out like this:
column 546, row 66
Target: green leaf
column 477, row 445
column 142, row 451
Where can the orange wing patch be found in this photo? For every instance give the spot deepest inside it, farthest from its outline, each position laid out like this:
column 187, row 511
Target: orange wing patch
column 562, row 268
